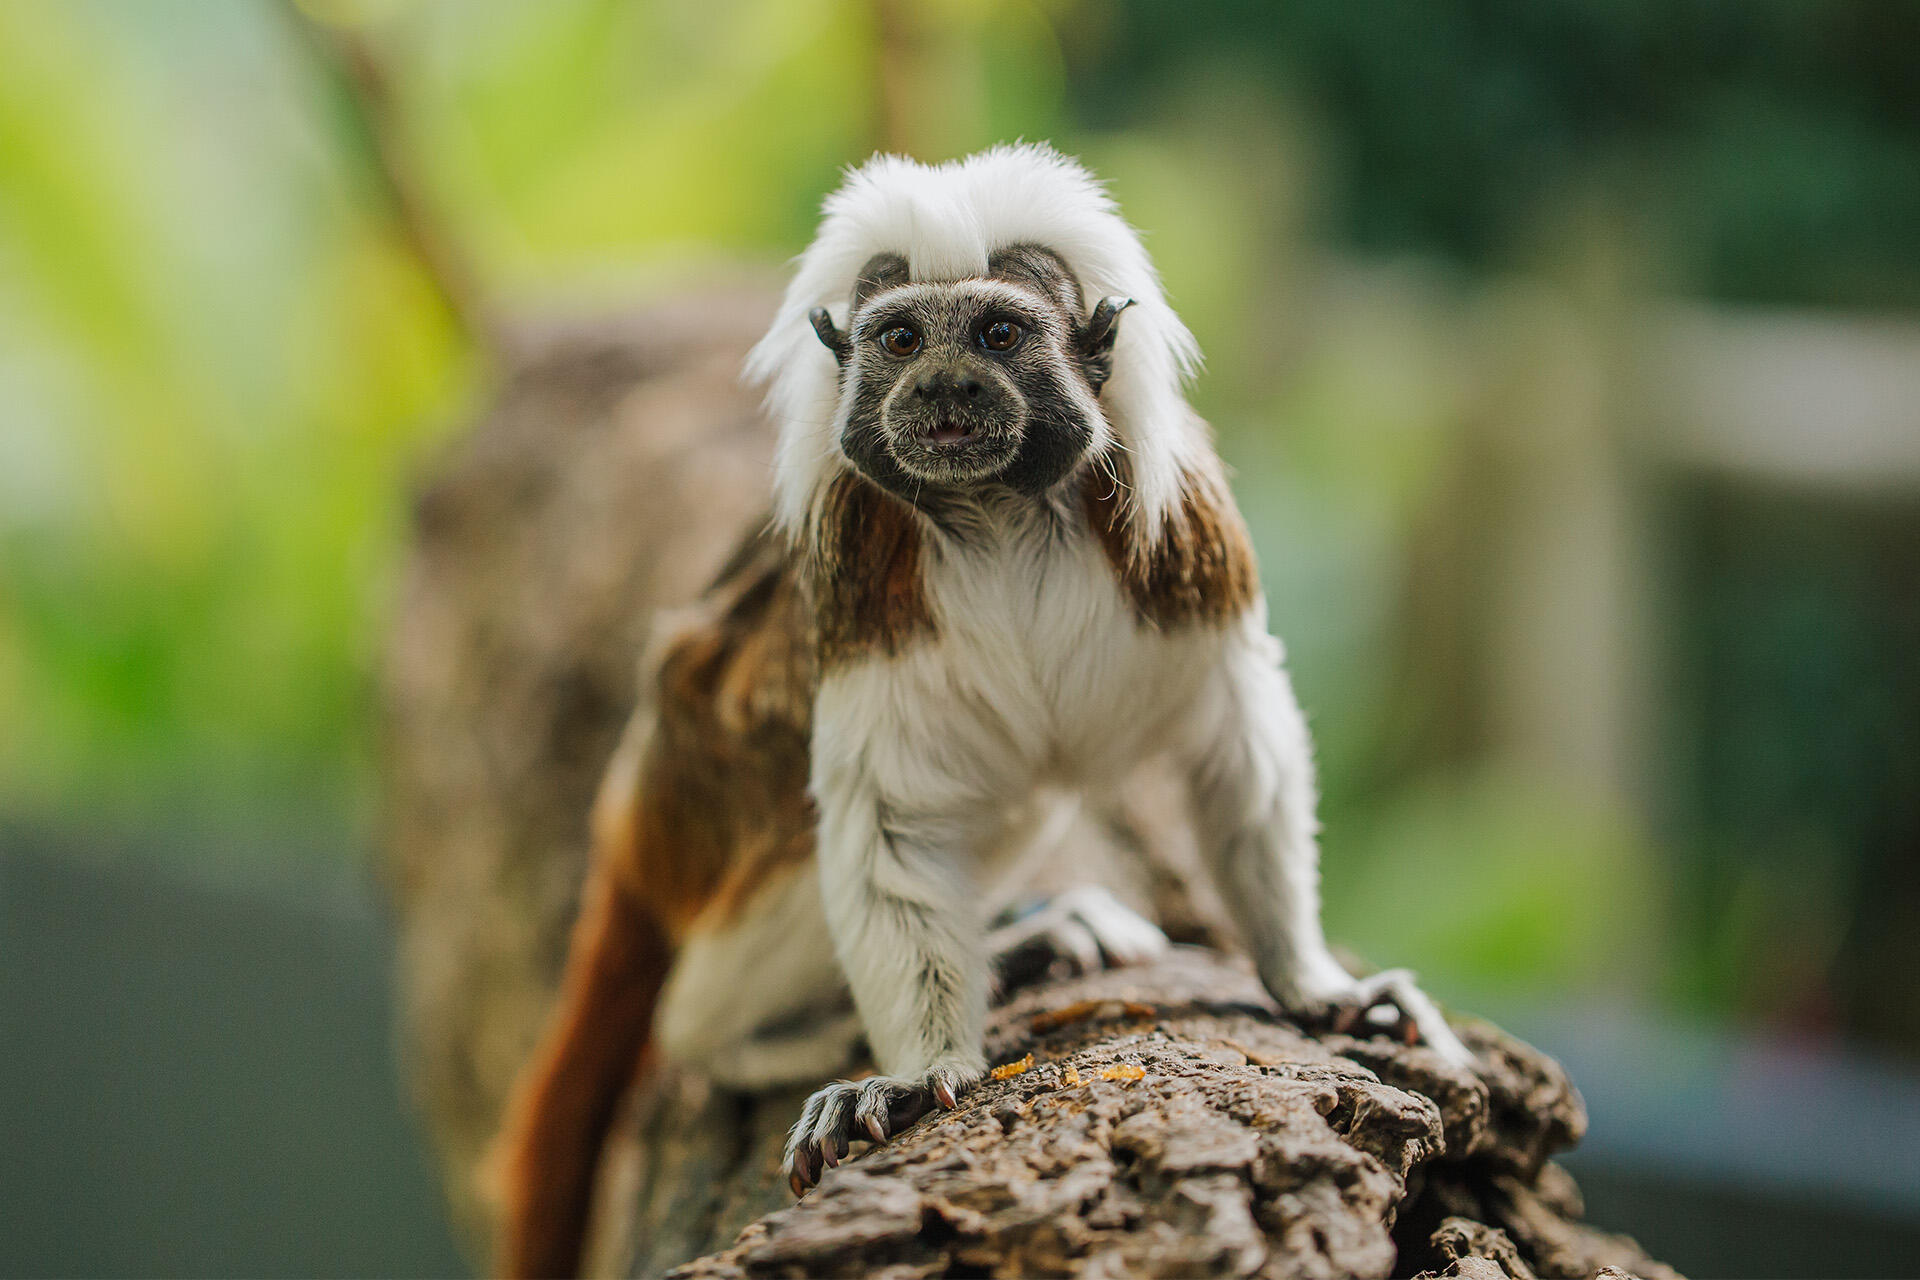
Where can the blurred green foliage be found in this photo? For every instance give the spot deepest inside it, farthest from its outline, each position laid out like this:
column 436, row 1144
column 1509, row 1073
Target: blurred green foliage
column 220, row 363
column 216, row 364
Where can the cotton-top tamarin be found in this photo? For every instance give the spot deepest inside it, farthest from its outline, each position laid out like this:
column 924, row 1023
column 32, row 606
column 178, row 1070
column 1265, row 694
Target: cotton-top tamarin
column 1003, row 556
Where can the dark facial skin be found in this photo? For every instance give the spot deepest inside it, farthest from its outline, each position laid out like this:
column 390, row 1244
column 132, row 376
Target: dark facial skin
column 986, row 381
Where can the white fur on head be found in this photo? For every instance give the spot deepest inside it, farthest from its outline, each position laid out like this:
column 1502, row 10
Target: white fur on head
column 946, row 220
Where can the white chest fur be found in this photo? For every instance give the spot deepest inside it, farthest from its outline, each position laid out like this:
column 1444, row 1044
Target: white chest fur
column 1039, row 672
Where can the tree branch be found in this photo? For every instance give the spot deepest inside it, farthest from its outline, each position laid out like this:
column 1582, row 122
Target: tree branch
column 1152, row 1121
column 360, row 72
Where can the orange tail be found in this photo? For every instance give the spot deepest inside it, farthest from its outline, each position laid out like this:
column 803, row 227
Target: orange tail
column 565, row 1101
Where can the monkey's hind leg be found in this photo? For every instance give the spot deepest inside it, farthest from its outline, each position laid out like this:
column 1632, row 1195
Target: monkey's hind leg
column 1080, row 931
column 756, row 998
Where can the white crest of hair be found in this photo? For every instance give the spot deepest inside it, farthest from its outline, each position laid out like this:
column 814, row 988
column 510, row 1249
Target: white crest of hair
column 947, row 220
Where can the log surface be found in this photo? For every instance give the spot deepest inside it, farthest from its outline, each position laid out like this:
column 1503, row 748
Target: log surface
column 1167, row 1123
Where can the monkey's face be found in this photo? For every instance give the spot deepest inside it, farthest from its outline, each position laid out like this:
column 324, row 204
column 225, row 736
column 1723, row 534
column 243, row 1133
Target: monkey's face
column 991, row 380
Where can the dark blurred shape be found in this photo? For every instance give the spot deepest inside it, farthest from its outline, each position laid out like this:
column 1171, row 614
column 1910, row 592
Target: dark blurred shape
column 198, row 1080
column 1734, row 1155
column 1797, row 621
column 1771, row 148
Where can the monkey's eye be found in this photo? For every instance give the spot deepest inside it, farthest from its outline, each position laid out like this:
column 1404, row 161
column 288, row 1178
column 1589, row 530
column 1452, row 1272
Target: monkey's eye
column 1001, row 335
column 900, row 341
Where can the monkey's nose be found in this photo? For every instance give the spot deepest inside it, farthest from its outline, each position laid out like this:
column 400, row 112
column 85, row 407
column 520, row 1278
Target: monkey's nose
column 940, row 386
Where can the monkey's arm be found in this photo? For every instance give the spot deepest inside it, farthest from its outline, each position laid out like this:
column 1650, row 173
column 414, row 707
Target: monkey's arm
column 900, row 902
column 1252, row 768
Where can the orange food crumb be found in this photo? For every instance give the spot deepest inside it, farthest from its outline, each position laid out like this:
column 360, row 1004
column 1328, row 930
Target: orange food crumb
column 1081, row 1010
column 1012, row 1069
column 1071, row 1078
column 1123, row 1071
column 1054, row 1019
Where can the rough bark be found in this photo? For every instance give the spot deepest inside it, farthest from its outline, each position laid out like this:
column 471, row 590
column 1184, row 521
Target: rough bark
column 1167, row 1123
column 617, row 464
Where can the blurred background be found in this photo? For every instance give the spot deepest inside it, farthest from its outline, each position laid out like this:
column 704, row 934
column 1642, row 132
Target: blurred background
column 1567, row 353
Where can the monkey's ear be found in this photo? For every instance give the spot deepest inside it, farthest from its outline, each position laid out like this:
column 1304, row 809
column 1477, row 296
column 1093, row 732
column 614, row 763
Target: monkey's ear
column 831, row 337
column 1095, row 340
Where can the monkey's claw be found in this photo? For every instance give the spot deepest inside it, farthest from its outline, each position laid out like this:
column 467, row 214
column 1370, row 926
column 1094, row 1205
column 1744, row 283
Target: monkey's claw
column 1391, row 1002
column 878, row 1107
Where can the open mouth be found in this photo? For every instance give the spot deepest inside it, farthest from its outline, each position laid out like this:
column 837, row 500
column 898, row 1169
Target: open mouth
column 954, row 449
column 948, row 433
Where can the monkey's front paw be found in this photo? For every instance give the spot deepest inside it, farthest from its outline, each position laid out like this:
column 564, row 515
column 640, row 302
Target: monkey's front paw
column 1389, row 1002
column 878, row 1108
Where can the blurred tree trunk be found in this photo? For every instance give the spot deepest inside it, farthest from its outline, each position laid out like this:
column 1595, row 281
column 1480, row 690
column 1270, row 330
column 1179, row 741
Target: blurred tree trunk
column 616, row 465
column 1168, row 1123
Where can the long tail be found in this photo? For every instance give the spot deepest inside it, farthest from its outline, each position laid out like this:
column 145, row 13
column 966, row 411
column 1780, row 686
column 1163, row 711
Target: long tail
column 564, row 1104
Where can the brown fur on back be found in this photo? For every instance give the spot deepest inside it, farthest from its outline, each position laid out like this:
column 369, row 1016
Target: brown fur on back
column 1200, row 567
column 704, row 801
column 720, row 797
